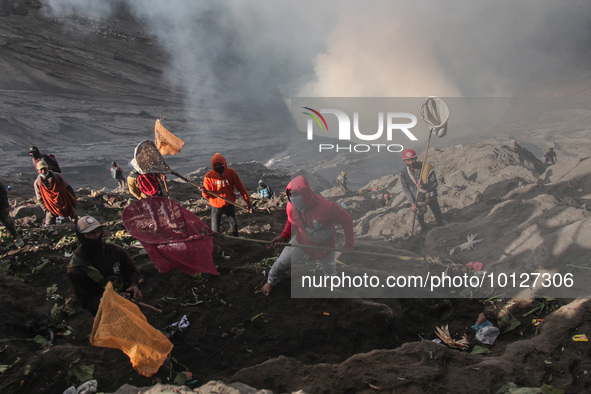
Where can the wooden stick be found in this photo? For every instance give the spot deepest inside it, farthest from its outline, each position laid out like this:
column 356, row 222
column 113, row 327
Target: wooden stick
column 166, row 187
column 412, row 230
column 207, row 191
column 150, row 307
column 226, row 200
column 184, row 178
column 328, row 249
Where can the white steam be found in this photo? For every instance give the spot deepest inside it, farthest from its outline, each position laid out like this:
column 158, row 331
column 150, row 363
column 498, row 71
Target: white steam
column 383, row 48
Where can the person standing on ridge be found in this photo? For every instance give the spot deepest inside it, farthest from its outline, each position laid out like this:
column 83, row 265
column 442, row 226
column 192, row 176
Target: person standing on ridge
column 341, row 182
column 222, row 181
column 117, row 174
column 411, row 181
column 550, row 156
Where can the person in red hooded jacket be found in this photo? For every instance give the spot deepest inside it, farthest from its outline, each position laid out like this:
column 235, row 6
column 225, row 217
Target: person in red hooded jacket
column 222, row 181
column 312, row 218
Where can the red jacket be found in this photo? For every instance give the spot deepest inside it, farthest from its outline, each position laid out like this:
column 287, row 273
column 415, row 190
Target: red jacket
column 223, row 184
column 320, row 214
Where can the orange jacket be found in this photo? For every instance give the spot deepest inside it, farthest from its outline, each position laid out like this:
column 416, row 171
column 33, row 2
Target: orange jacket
column 223, row 184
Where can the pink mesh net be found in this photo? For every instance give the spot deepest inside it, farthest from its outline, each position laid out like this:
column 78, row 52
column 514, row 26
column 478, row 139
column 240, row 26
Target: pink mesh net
column 172, row 235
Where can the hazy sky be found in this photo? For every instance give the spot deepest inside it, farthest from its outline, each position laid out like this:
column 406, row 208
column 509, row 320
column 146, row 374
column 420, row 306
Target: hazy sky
column 240, row 61
column 370, row 48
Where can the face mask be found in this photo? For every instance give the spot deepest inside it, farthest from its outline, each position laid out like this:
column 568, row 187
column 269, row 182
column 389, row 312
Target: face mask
column 298, row 202
column 219, row 169
column 44, row 175
column 92, row 247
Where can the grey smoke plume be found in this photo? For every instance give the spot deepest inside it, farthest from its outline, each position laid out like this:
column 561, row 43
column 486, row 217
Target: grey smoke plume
column 346, row 48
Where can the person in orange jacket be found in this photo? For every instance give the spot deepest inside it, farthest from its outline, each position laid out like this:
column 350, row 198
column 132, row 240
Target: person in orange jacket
column 222, row 181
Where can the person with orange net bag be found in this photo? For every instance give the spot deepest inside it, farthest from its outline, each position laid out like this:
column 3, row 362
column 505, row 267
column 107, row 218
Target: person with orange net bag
column 95, row 262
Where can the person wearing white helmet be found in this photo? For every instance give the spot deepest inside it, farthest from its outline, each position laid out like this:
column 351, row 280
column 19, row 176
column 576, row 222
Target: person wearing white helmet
column 411, row 180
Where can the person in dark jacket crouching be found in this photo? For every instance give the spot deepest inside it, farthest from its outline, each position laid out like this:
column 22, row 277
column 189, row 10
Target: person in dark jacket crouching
column 96, row 262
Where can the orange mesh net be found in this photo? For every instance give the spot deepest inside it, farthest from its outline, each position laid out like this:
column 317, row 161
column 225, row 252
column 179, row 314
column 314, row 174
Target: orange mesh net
column 166, row 142
column 119, row 324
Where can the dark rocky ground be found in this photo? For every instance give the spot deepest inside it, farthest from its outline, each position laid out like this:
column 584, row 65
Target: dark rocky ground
column 278, row 343
column 90, row 92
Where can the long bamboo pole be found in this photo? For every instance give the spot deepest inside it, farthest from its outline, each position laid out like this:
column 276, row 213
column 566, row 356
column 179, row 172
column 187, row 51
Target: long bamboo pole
column 150, row 307
column 166, row 187
column 400, row 257
column 207, row 191
column 414, row 216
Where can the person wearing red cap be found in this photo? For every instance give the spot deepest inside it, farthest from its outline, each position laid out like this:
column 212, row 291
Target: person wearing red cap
column 426, row 184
